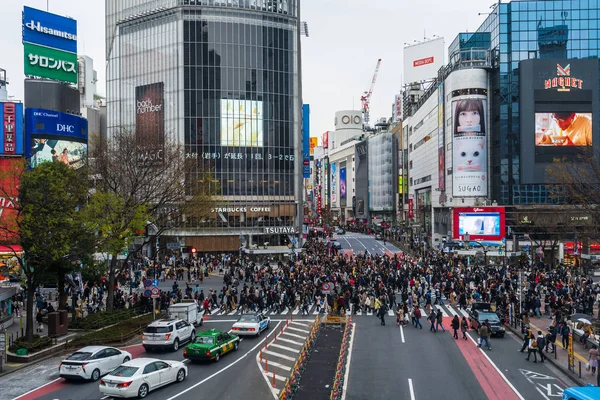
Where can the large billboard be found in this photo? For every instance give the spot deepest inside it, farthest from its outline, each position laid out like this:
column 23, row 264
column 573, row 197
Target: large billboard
column 45, row 62
column 56, row 136
column 11, row 131
column 333, row 184
column 423, row 60
column 441, row 140
column 481, row 223
column 10, row 172
column 343, row 183
column 49, row 30
column 469, row 155
column 306, row 140
column 150, row 120
column 241, row 123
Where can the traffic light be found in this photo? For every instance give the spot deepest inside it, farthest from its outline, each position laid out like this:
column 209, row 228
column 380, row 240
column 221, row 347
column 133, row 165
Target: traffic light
column 194, row 250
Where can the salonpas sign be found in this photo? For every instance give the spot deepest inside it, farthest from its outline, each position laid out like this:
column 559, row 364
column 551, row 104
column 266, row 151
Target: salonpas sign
column 50, row 63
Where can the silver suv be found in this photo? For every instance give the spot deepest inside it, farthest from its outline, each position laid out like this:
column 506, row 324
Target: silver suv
column 167, row 333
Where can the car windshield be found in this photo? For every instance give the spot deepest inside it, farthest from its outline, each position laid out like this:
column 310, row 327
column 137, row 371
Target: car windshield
column 204, row 340
column 249, row 319
column 491, row 317
column 79, row 356
column 124, row 371
column 157, row 329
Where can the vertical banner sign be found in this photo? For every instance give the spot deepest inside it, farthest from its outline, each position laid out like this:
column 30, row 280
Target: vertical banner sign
column 441, row 141
column 333, row 184
column 150, row 121
column 343, row 185
column 411, row 208
column 10, row 130
column 469, row 172
column 314, row 142
column 306, row 140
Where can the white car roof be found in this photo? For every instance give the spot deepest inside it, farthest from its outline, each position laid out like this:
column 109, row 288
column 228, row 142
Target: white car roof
column 164, row 322
column 142, row 362
column 93, row 349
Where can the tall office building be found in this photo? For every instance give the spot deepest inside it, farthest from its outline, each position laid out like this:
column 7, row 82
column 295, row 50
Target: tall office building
column 222, row 79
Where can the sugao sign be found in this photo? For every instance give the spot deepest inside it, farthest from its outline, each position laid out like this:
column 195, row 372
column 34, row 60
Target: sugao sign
column 49, row 30
column 50, row 63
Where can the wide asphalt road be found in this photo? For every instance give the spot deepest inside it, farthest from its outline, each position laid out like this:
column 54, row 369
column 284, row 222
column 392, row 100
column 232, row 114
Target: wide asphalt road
column 355, row 243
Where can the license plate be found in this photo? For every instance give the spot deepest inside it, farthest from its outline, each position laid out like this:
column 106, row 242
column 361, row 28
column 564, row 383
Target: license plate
column 110, row 384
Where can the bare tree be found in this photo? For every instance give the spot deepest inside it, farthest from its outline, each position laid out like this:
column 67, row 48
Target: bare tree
column 154, row 177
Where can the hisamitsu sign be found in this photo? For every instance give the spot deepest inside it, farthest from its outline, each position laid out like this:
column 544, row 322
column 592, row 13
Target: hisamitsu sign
column 49, row 30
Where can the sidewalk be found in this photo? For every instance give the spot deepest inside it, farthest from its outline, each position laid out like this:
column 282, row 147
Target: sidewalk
column 561, row 358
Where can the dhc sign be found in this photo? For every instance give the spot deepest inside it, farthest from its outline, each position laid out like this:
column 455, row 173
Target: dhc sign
column 46, row 122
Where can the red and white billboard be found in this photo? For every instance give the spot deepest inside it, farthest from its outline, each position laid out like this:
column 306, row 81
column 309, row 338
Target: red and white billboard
column 10, row 172
column 325, row 140
column 481, row 223
column 423, row 60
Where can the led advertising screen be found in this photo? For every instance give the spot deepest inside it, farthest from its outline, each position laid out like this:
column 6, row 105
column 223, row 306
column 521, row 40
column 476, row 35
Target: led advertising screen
column 343, row 183
column 150, row 119
column 469, row 172
column 333, row 184
column 241, row 123
column 49, row 148
column 481, row 223
column 563, row 128
column 10, row 172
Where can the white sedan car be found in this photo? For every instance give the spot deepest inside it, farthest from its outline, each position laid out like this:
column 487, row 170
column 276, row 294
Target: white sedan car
column 92, row 362
column 136, row 378
column 251, row 324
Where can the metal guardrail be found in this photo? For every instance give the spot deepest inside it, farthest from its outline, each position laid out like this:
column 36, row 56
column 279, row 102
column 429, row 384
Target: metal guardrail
column 291, row 384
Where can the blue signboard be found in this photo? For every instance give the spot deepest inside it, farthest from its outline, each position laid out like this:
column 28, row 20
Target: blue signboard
column 11, row 129
column 306, row 140
column 47, row 122
column 49, row 30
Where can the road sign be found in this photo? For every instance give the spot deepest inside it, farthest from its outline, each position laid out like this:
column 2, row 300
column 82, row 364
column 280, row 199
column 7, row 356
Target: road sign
column 155, row 292
column 173, row 246
column 147, row 282
column 326, row 288
column 154, row 282
column 147, row 292
column 503, row 240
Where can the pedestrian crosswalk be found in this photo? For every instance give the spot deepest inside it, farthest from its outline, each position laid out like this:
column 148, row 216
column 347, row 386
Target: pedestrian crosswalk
column 447, row 310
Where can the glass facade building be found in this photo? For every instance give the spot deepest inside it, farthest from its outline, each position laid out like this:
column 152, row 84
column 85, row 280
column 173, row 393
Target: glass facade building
column 521, row 30
column 228, row 77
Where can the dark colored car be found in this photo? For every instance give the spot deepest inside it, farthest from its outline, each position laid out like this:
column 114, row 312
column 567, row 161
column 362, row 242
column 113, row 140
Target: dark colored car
column 379, row 236
column 478, row 316
column 336, row 245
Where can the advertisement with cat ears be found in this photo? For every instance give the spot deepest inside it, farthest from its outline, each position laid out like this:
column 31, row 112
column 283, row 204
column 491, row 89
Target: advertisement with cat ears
column 469, row 147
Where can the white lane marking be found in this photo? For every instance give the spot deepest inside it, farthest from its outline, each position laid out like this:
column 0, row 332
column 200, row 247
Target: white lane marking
column 454, row 313
column 402, row 333
column 278, row 377
column 284, row 348
column 424, row 313
column 296, row 311
column 294, row 335
column 37, row 388
column 444, row 313
column 298, row 329
column 358, row 312
column 215, row 321
column 391, row 313
column 279, row 355
column 298, row 323
column 315, row 312
column 412, row 391
column 497, row 369
column 348, row 360
column 464, row 312
column 369, row 313
column 278, row 365
column 225, row 368
column 290, row 341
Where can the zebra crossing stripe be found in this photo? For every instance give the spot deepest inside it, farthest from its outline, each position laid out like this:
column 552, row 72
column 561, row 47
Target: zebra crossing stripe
column 315, row 312
column 444, row 313
column 451, row 310
column 296, row 311
column 391, row 313
column 464, row 312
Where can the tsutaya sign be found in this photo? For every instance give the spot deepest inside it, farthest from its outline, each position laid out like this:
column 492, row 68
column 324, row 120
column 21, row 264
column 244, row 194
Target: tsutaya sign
column 273, row 230
column 563, row 81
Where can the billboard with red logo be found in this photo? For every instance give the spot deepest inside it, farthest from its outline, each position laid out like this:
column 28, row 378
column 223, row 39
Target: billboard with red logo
column 11, row 130
column 481, row 223
column 10, row 172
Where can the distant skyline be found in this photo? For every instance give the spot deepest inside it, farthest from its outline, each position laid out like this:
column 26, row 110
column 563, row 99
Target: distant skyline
column 339, row 57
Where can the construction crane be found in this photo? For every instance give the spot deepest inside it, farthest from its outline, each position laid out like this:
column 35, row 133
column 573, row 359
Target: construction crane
column 366, row 97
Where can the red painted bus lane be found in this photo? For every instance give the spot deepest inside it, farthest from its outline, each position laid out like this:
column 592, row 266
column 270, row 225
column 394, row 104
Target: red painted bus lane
column 495, row 385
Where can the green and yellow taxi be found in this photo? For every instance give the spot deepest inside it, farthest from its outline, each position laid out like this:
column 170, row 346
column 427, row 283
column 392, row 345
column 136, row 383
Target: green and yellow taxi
column 211, row 345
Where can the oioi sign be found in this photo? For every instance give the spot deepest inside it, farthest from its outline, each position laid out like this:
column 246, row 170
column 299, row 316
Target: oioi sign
column 50, row 63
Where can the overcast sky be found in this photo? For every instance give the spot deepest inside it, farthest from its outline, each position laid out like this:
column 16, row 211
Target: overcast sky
column 339, row 57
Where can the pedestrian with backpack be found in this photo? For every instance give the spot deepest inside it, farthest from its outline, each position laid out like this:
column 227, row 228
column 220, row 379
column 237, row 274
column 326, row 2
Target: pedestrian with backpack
column 532, row 348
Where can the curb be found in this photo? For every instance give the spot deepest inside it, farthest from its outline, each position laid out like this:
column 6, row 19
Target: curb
column 562, row 369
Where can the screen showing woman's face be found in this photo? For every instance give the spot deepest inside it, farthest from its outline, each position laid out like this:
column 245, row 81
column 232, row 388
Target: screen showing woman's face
column 469, row 118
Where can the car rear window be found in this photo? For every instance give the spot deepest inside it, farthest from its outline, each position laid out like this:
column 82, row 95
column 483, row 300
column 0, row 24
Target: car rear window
column 204, row 340
column 489, row 316
column 248, row 319
column 158, row 329
column 124, row 371
column 79, row 356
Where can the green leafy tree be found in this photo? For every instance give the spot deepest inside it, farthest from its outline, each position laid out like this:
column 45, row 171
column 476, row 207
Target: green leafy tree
column 49, row 223
column 115, row 223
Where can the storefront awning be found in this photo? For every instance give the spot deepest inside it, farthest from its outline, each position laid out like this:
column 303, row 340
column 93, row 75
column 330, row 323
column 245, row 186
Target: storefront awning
column 12, row 249
column 7, row 292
